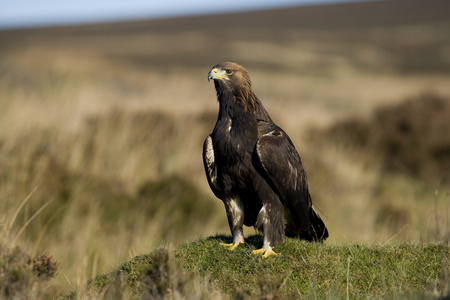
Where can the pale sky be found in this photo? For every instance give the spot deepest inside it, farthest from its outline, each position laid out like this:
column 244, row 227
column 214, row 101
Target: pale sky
column 32, row 13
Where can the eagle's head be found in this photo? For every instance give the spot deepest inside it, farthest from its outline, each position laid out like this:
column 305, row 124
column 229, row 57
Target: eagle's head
column 232, row 78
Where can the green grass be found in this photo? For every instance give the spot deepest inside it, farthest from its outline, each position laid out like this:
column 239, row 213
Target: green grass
column 304, row 271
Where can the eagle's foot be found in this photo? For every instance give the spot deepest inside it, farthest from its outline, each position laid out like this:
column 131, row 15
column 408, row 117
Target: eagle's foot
column 265, row 253
column 232, row 245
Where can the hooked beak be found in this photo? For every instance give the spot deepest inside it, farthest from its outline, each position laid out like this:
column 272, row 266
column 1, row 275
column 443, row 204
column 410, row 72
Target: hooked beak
column 216, row 73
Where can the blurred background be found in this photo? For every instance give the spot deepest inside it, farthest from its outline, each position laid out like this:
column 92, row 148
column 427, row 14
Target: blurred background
column 102, row 125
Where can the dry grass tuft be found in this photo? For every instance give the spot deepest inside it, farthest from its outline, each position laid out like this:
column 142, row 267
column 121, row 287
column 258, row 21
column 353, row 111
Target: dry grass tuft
column 23, row 276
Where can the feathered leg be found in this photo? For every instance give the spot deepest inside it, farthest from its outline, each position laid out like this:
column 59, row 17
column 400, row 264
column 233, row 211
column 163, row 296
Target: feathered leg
column 271, row 221
column 235, row 215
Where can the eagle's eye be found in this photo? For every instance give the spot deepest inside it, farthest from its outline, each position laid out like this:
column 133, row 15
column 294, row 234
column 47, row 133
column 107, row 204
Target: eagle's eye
column 228, row 72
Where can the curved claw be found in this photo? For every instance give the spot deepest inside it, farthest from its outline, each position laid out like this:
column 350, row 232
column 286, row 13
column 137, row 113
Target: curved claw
column 249, row 248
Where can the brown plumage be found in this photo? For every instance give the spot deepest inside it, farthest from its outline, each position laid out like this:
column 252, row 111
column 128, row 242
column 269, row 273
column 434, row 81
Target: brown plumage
column 252, row 165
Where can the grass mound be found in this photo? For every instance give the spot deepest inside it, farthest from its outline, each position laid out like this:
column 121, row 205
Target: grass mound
column 306, row 270
column 411, row 138
column 149, row 276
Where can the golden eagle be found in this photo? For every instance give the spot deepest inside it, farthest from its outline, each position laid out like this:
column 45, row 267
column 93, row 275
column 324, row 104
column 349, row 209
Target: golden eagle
column 252, row 165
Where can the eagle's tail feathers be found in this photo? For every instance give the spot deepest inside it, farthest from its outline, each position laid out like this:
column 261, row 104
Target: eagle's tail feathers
column 317, row 230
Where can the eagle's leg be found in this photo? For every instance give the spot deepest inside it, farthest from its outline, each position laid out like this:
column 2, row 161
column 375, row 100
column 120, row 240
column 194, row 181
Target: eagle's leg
column 271, row 219
column 235, row 215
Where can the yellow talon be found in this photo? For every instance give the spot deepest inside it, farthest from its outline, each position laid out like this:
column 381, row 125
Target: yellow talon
column 270, row 252
column 259, row 251
column 232, row 246
column 265, row 253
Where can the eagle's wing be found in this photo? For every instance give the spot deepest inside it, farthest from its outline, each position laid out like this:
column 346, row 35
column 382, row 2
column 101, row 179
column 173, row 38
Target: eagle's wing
column 210, row 166
column 281, row 166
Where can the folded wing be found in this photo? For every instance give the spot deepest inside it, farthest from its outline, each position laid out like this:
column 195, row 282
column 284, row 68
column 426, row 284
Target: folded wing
column 279, row 163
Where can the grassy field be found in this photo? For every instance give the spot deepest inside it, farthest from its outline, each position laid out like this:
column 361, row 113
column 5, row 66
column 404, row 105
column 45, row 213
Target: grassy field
column 102, row 128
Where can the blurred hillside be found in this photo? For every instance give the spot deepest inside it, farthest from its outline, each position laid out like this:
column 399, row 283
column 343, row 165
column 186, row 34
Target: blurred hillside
column 102, row 125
